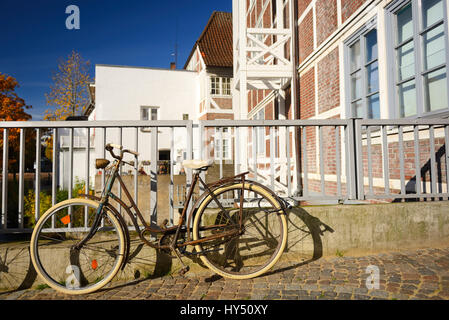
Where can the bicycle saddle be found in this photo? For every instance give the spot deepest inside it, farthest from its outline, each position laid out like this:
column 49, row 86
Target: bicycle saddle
column 198, row 164
column 101, row 163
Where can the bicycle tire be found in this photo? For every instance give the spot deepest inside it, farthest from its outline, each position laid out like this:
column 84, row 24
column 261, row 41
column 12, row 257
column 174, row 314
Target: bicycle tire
column 246, row 255
column 74, row 271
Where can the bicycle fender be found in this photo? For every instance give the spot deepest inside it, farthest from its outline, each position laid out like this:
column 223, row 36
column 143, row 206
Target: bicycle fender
column 231, row 182
column 271, row 192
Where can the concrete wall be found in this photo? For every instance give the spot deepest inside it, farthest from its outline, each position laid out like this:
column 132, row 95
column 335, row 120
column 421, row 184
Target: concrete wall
column 362, row 229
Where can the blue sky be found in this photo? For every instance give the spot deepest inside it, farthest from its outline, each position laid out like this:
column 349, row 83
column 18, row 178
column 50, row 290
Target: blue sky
column 135, row 33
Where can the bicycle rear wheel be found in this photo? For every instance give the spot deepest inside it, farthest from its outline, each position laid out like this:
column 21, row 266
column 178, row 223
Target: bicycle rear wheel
column 243, row 253
column 66, row 268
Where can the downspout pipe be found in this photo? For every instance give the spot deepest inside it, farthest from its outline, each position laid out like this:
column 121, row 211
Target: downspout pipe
column 295, row 90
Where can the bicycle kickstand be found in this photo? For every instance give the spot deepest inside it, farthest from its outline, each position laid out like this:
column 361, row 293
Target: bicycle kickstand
column 184, row 268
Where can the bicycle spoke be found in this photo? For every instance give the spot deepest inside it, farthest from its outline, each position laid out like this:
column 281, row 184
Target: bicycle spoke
column 256, row 247
column 72, row 269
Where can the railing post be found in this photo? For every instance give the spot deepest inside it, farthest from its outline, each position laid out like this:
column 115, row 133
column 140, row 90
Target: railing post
column 153, row 175
column 237, row 165
column 37, row 188
column 5, row 178
column 189, row 173
column 171, row 199
column 202, row 142
column 359, row 158
column 21, row 177
column 54, row 167
column 352, row 179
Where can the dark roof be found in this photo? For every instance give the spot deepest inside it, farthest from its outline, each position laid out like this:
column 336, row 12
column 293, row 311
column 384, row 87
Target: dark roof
column 77, row 118
column 215, row 42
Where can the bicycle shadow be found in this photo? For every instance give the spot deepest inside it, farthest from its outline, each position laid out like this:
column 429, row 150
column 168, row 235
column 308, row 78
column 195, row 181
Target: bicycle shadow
column 16, row 269
column 304, row 242
column 304, row 239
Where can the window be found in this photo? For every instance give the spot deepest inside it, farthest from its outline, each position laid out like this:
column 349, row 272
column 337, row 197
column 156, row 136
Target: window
column 222, row 152
column 226, row 86
column 214, row 85
column 419, row 56
column 148, row 113
column 222, row 144
column 220, row 86
column 362, row 72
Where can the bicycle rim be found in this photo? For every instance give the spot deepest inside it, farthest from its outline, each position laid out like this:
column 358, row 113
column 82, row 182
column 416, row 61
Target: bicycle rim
column 260, row 244
column 71, row 270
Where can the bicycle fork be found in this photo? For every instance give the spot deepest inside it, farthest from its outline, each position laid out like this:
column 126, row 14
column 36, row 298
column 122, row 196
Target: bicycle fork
column 173, row 244
column 93, row 229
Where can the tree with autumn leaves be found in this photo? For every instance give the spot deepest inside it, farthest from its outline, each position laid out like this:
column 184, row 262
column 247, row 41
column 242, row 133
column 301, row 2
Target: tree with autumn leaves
column 12, row 108
column 69, row 93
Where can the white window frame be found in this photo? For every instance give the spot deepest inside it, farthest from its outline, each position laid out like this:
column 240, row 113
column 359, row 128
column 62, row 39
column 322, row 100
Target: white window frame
column 359, row 36
column 150, row 112
column 217, row 86
column 218, row 149
column 226, row 86
column 391, row 38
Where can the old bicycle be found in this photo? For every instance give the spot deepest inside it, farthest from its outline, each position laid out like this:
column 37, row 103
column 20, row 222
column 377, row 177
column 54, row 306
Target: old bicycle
column 237, row 227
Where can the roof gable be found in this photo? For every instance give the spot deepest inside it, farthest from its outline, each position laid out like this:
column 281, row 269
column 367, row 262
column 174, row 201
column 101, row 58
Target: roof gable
column 215, row 42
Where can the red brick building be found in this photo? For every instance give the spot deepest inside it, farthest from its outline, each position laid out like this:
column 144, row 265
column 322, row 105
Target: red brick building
column 342, row 59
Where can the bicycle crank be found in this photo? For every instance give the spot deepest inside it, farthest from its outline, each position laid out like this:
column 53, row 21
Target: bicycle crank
column 188, row 253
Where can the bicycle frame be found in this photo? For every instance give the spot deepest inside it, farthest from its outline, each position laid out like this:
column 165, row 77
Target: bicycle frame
column 154, row 229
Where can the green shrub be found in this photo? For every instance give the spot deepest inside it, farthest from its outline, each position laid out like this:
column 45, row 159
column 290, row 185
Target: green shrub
column 45, row 201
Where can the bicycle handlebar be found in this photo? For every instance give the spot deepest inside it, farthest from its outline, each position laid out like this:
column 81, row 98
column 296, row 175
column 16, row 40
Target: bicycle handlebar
column 110, row 146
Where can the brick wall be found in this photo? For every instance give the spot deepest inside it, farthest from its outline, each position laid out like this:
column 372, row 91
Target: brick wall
column 302, row 6
column 311, row 147
column 329, row 147
column 305, row 32
column 217, row 116
column 326, row 19
column 348, row 7
column 223, row 103
column 288, row 104
column 307, row 94
column 329, row 82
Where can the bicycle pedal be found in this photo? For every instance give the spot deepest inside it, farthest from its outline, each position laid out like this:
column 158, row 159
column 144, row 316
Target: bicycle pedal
column 184, row 270
column 164, row 224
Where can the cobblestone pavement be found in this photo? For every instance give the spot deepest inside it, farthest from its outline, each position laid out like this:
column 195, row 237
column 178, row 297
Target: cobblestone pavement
column 418, row 274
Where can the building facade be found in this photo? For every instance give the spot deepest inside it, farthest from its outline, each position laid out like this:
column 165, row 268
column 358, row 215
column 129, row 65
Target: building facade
column 342, row 59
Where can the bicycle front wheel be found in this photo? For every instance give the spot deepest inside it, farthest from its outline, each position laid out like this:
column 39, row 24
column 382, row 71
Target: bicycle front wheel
column 61, row 264
column 240, row 252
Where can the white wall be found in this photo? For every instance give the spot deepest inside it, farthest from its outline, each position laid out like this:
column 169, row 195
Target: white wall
column 79, row 151
column 122, row 91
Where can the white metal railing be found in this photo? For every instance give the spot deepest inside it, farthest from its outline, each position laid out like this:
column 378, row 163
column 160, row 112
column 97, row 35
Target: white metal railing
column 333, row 160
